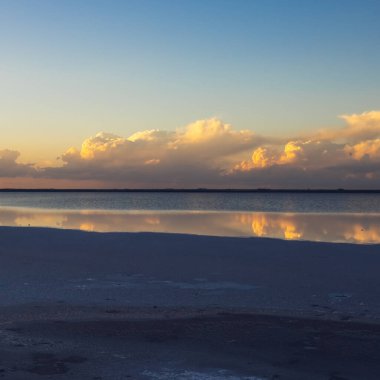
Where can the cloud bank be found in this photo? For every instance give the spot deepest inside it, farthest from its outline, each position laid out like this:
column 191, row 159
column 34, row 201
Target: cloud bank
column 9, row 167
column 211, row 153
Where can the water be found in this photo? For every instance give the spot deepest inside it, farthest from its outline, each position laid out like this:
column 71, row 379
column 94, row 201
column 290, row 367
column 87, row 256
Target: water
column 263, row 202
column 353, row 218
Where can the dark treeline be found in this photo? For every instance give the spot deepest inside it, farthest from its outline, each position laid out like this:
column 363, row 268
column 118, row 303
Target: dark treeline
column 198, row 190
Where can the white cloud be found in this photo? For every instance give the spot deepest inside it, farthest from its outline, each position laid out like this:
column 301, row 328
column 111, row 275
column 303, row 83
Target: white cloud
column 214, row 154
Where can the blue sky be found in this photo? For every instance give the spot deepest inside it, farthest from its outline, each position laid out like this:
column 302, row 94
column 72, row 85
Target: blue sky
column 70, row 69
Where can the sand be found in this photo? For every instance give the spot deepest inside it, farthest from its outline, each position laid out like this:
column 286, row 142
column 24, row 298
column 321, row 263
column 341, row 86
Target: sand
column 79, row 305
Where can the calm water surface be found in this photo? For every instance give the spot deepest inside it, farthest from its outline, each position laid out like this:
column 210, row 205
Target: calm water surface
column 266, row 202
column 351, row 218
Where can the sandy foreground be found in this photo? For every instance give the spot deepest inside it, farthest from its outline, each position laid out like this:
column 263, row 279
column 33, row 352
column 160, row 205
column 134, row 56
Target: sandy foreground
column 77, row 305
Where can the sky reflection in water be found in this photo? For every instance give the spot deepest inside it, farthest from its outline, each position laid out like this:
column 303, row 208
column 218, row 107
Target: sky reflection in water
column 356, row 228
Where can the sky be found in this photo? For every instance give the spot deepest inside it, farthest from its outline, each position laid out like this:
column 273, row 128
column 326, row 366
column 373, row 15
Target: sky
column 177, row 93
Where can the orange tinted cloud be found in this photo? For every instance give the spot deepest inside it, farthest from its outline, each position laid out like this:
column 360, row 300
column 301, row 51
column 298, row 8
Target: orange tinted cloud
column 369, row 149
column 359, row 139
column 212, row 153
column 359, row 127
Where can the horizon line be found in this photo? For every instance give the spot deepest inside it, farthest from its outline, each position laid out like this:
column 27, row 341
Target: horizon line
column 192, row 190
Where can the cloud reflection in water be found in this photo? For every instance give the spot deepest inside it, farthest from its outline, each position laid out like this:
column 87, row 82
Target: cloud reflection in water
column 356, row 228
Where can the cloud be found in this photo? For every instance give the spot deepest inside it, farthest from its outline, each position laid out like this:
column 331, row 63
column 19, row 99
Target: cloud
column 9, row 167
column 195, row 154
column 359, row 127
column 369, row 149
column 297, row 153
column 211, row 153
column 345, row 157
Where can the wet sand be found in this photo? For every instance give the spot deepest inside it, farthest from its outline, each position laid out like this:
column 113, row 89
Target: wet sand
column 216, row 345
column 78, row 305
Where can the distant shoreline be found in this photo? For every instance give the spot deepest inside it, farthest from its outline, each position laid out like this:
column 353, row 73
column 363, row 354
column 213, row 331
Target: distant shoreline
column 198, row 190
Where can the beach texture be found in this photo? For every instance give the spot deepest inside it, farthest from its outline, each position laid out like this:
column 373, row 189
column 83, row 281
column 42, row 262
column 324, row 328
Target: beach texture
column 79, row 305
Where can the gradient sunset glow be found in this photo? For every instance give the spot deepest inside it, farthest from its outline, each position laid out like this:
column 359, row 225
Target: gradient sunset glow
column 184, row 94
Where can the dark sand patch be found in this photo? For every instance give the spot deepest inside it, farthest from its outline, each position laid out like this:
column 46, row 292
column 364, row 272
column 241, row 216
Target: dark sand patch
column 236, row 345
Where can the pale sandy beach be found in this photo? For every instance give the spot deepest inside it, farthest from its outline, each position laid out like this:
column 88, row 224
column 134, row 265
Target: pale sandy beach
column 77, row 305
